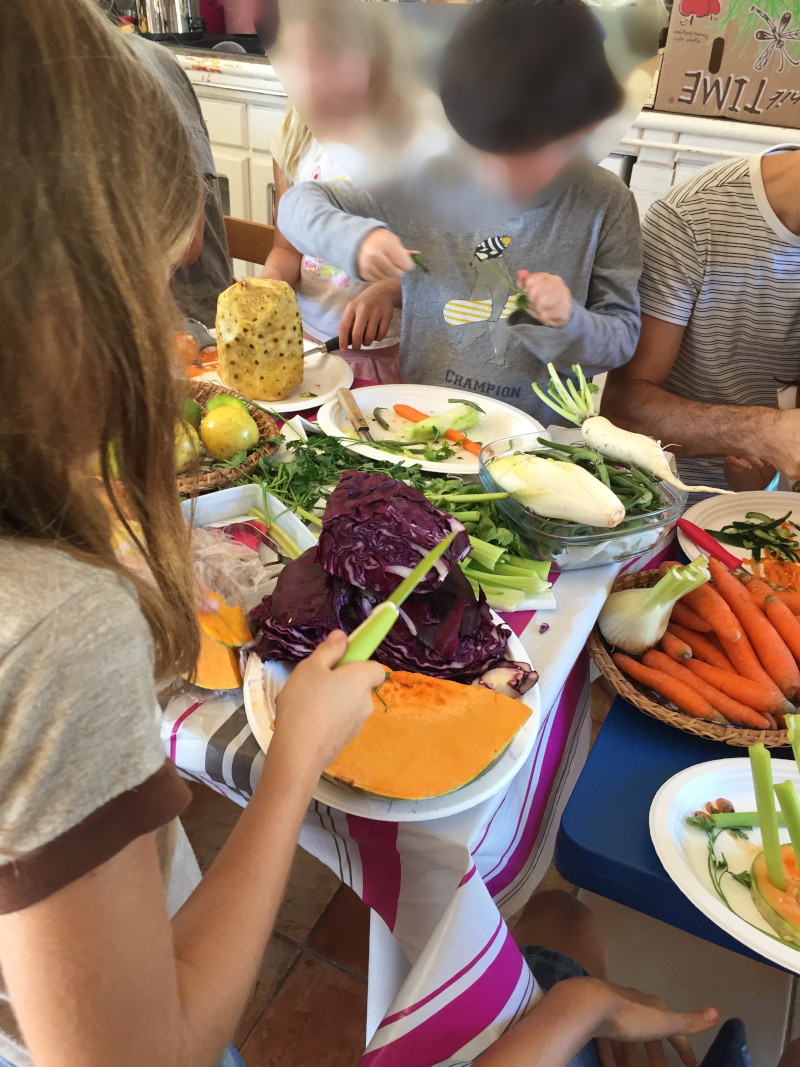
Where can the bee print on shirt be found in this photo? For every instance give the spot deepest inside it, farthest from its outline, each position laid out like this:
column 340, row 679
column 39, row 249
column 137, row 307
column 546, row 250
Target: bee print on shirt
column 491, row 248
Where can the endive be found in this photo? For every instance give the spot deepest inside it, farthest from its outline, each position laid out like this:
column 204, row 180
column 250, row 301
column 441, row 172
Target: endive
column 557, row 490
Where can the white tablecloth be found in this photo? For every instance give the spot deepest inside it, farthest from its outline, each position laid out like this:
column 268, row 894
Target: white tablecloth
column 446, row 978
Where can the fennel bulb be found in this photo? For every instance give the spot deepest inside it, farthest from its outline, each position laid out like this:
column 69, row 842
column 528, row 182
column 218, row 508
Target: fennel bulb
column 557, row 490
column 636, row 619
column 577, row 405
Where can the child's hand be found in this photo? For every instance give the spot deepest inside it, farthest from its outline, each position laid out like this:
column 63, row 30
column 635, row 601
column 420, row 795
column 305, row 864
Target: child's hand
column 381, row 256
column 550, row 301
column 322, row 707
column 632, row 1016
column 746, row 475
column 368, row 316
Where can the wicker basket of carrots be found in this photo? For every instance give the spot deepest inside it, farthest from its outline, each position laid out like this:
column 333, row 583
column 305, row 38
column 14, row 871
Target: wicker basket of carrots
column 728, row 666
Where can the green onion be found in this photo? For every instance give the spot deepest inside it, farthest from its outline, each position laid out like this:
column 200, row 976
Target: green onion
column 381, row 421
column 790, row 806
column 418, row 260
column 761, row 767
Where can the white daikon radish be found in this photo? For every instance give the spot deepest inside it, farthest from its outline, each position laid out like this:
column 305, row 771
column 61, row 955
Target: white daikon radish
column 577, row 406
column 558, row 490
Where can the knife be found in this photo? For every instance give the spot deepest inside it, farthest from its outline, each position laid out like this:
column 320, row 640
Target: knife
column 327, row 346
column 353, row 412
column 364, row 640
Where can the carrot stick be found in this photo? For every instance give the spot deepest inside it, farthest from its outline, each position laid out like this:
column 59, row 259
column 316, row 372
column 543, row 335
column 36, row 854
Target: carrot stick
column 405, row 412
column 734, row 712
column 674, row 647
column 785, row 623
column 710, row 606
column 683, row 615
column 773, row 655
column 679, row 693
column 767, row 701
column 702, row 648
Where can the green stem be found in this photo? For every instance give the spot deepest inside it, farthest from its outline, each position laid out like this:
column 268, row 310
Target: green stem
column 676, row 584
column 314, row 519
column 761, row 766
column 793, row 728
column 470, row 498
column 790, row 806
column 741, row 820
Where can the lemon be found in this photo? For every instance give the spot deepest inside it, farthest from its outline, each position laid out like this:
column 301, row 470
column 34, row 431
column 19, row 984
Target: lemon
column 187, row 446
column 228, row 430
column 221, row 400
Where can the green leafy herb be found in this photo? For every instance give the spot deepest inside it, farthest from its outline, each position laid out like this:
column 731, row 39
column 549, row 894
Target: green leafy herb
column 419, row 262
column 717, row 864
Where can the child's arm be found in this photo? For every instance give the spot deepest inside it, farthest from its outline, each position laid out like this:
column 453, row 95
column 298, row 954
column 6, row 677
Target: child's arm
column 603, row 334
column 579, row 1009
column 283, row 262
column 337, row 222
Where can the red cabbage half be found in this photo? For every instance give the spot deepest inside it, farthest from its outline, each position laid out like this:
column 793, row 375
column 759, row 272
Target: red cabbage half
column 376, row 530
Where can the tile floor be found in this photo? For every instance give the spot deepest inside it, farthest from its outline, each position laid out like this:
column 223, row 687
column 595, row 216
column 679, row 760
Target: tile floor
column 308, row 1007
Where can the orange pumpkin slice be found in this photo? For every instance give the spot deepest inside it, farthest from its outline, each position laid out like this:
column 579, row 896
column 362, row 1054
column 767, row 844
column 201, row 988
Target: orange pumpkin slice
column 431, row 737
column 217, row 665
column 227, row 624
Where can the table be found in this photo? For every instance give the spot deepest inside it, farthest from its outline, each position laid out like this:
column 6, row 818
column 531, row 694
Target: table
column 603, row 843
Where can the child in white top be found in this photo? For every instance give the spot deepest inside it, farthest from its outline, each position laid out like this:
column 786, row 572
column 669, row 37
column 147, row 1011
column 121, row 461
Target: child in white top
column 363, row 315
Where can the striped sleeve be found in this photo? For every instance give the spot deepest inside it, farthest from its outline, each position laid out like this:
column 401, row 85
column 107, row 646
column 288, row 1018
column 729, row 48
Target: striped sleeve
column 673, row 270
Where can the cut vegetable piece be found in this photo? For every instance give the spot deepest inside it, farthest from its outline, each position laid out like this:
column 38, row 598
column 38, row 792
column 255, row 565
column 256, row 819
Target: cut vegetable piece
column 217, row 665
column 227, row 624
column 793, row 731
column 427, row 737
column 761, row 767
column 790, row 806
column 405, row 412
column 779, row 906
column 461, row 417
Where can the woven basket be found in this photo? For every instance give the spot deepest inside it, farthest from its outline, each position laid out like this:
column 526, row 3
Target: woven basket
column 657, row 706
column 206, row 480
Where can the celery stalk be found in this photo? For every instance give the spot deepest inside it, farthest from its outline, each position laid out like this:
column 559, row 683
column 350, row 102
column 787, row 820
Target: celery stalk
column 502, row 599
column 790, row 806
column 761, row 767
column 793, row 729
column 487, row 555
column 287, row 545
column 727, row 820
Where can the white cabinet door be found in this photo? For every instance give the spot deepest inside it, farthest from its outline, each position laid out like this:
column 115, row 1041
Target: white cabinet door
column 234, row 184
column 263, row 124
column 262, row 188
column 226, row 121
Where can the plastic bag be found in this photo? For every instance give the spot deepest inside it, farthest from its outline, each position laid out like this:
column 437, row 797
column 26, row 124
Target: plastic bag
column 231, row 569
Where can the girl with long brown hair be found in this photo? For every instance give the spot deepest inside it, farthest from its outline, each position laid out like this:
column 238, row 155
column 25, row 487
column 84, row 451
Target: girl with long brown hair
column 99, row 198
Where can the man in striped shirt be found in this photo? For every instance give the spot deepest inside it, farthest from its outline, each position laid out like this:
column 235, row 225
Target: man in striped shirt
column 720, row 296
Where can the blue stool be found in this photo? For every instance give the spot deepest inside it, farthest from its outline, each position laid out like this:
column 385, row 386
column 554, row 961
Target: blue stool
column 603, row 843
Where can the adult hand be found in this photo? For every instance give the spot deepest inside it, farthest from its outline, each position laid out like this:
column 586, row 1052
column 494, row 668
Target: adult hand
column 780, row 435
column 549, row 299
column 632, row 1016
column 322, row 707
column 368, row 316
column 381, row 256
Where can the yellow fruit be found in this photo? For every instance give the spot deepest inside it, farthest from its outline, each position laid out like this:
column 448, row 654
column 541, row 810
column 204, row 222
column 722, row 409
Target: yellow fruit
column 187, row 446
column 228, row 430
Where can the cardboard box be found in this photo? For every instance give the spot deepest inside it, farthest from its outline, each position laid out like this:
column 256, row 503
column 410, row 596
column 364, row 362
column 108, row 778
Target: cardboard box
column 733, row 59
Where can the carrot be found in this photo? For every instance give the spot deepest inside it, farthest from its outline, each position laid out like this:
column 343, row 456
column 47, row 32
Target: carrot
column 734, row 712
column 759, row 591
column 771, row 650
column 674, row 647
column 683, row 615
column 701, row 647
column 745, row 662
column 666, row 566
column 679, row 693
column 767, row 701
column 785, row 623
column 791, row 600
column 405, row 412
column 710, row 606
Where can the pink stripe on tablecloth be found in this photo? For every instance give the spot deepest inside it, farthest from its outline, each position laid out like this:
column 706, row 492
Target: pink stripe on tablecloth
column 380, row 864
column 467, row 876
column 517, row 620
column 444, row 1033
column 445, row 985
column 173, row 737
column 512, row 862
column 474, row 850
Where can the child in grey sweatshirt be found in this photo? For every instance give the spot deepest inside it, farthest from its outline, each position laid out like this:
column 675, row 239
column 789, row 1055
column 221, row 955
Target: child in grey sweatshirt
column 544, row 84
column 455, row 329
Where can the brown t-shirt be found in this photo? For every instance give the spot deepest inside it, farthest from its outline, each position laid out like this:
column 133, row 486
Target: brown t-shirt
column 82, row 767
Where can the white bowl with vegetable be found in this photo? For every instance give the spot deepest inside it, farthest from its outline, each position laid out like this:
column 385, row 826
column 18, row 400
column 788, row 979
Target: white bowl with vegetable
column 575, row 506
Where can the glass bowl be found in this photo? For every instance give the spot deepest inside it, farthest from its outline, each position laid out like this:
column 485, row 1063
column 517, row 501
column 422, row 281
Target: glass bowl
column 573, row 546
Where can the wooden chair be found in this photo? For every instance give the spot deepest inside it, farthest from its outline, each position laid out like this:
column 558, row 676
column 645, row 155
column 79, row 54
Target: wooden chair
column 250, row 241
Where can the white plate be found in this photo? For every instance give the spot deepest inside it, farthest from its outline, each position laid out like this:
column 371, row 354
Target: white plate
column 500, row 420
column 339, row 796
column 718, row 511
column 323, row 374
column 682, row 848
